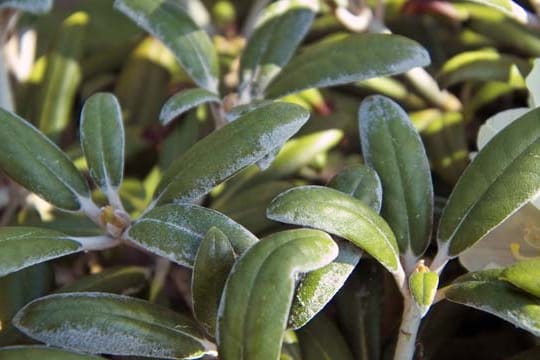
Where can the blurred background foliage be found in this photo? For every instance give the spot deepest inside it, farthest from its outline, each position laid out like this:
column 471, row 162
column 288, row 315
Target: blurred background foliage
column 480, row 58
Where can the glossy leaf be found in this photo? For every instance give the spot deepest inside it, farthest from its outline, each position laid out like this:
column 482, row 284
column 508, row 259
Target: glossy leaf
column 184, row 101
column 360, row 182
column 423, row 286
column 481, row 199
column 42, row 353
column 175, row 231
column 319, row 286
column 322, row 340
column 100, row 323
column 525, row 275
column 252, row 315
column 32, row 160
column 500, row 299
column 340, row 214
column 228, row 150
column 316, row 66
column 102, row 140
column 25, row 246
column 167, row 20
column 273, row 43
column 34, row 6
column 213, row 262
column 391, row 146
column 121, row 280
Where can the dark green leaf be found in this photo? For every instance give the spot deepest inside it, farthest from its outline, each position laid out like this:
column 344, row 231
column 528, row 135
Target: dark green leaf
column 252, row 315
column 391, row 146
column 228, row 150
column 500, row 299
column 322, row 340
column 319, row 286
column 360, row 182
column 168, row 21
column 41, row 353
column 121, row 280
column 273, row 43
column 32, row 160
column 175, row 231
column 353, row 58
column 184, row 101
column 21, row 247
column 100, row 323
column 102, row 140
column 340, row 214
column 213, row 262
column 490, row 191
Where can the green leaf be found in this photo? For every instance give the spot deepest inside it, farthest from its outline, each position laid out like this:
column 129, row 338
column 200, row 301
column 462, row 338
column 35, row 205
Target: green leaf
column 184, row 101
column 32, row 160
column 481, row 199
column 496, row 123
column 18, row 289
column 500, row 299
column 340, row 214
column 322, row 340
column 507, row 7
column 228, row 150
column 102, row 140
column 252, row 315
column 175, row 231
column 347, row 60
column 319, row 286
column 273, row 43
column 42, row 353
column 120, row 280
column 360, row 182
column 391, row 146
column 213, row 262
column 423, row 287
column 25, row 246
column 100, row 323
column 34, row 6
column 525, row 275
column 168, row 21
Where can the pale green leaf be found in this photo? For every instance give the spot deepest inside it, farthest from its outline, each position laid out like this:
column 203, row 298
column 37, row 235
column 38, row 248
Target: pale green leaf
column 340, row 214
column 500, row 299
column 184, row 101
column 496, row 123
column 353, row 58
column 500, row 180
column 35, row 162
column 213, row 262
column 273, row 43
column 41, row 353
column 533, row 84
column 392, row 146
column 21, row 247
column 423, row 287
column 168, row 21
column 102, row 140
column 100, row 323
column 252, row 315
column 228, row 150
column 175, row 231
column 525, row 275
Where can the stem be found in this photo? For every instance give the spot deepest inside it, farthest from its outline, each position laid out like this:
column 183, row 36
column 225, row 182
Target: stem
column 408, row 330
column 91, row 210
column 100, row 242
column 162, row 269
column 441, row 259
column 218, row 112
column 114, row 199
